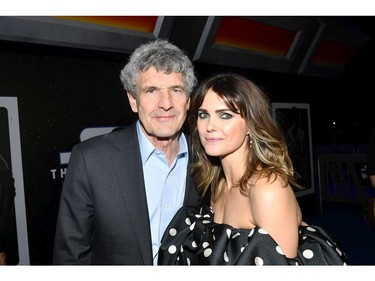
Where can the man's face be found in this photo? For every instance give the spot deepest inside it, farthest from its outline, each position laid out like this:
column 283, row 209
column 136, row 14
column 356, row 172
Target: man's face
column 161, row 103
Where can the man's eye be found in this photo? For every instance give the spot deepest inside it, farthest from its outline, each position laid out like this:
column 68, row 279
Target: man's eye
column 151, row 91
column 177, row 90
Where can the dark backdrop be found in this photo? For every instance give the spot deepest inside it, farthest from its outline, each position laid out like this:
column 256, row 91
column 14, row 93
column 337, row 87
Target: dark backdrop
column 62, row 91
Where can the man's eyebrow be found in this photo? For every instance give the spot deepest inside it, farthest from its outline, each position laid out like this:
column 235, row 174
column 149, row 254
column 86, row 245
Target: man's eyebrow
column 177, row 86
column 149, row 87
column 158, row 88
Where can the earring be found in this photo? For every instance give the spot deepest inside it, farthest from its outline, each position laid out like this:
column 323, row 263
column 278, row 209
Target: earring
column 250, row 139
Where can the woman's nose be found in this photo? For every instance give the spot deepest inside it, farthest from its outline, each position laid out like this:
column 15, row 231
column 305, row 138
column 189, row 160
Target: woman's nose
column 211, row 124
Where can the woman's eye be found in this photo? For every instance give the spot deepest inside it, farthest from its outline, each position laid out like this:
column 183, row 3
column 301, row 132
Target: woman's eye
column 226, row 116
column 202, row 115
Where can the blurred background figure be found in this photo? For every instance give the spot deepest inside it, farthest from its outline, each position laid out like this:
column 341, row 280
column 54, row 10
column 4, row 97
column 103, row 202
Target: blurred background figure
column 370, row 170
column 371, row 159
column 298, row 147
column 7, row 194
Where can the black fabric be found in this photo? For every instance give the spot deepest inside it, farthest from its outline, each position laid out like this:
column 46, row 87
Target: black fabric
column 192, row 238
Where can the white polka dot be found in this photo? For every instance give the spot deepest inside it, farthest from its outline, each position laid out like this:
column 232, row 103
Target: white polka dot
column 198, row 216
column 206, row 221
column 187, row 221
column 278, row 249
column 172, row 232
column 207, row 216
column 207, row 252
column 251, row 232
column 339, row 251
column 192, row 226
column 235, row 235
column 205, row 244
column 258, row 261
column 228, row 232
column 242, row 248
column 329, row 243
column 181, row 249
column 172, row 249
column 308, row 254
column 194, row 244
column 311, row 229
column 188, row 261
column 262, row 231
column 226, row 259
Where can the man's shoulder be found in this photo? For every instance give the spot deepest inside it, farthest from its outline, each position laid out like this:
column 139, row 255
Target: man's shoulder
column 116, row 137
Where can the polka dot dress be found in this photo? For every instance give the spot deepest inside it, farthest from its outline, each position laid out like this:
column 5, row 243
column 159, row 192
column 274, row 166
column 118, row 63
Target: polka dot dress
column 192, row 238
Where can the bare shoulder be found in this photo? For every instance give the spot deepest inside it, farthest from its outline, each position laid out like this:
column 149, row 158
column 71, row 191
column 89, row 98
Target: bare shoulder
column 269, row 188
column 273, row 196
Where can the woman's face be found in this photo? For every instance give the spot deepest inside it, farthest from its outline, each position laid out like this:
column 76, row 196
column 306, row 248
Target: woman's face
column 221, row 131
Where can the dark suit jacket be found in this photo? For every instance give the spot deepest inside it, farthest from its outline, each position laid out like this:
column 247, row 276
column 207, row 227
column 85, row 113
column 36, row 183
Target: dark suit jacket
column 103, row 216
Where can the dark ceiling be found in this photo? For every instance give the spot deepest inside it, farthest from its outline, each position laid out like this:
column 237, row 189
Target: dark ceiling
column 363, row 62
column 303, row 45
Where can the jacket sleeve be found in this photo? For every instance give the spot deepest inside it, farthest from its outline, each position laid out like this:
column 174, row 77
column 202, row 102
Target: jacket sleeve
column 74, row 222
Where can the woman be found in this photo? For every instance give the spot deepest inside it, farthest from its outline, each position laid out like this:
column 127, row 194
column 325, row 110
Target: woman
column 241, row 159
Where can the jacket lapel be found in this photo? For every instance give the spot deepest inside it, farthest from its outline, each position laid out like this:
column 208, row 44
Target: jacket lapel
column 192, row 197
column 128, row 167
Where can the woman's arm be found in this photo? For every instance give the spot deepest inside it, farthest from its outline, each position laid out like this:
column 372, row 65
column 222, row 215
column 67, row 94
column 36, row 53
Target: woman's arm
column 276, row 210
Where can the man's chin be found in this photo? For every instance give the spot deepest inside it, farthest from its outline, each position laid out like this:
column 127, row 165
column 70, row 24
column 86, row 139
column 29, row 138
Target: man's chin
column 170, row 134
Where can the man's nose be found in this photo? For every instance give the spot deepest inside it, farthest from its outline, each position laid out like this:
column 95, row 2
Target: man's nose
column 165, row 100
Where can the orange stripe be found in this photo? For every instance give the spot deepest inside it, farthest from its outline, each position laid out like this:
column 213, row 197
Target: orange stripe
column 331, row 52
column 249, row 34
column 137, row 23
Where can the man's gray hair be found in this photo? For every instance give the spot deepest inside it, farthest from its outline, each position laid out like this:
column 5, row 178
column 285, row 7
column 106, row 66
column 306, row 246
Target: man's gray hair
column 162, row 55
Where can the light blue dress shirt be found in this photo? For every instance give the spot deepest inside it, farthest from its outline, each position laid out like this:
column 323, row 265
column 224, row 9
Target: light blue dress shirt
column 165, row 185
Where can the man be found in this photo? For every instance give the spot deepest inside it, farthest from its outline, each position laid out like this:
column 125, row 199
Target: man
column 122, row 189
column 371, row 159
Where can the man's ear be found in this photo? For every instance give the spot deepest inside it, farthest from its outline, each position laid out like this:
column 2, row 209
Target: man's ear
column 188, row 104
column 133, row 102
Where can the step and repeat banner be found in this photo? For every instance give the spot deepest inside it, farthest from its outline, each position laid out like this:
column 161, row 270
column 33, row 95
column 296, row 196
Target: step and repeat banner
column 13, row 225
column 48, row 103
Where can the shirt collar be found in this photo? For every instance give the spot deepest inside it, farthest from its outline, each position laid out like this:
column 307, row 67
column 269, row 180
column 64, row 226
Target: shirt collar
column 147, row 147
